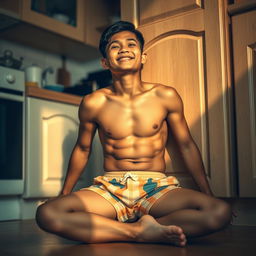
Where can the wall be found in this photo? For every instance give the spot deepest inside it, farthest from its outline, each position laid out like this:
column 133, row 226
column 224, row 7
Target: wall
column 43, row 59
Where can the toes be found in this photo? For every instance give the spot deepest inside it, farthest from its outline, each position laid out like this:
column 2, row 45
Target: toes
column 180, row 231
column 177, row 229
column 182, row 237
column 179, row 243
column 178, row 239
column 183, row 243
column 183, row 240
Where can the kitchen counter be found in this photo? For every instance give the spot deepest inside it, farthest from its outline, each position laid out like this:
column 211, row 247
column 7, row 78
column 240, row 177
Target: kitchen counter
column 32, row 91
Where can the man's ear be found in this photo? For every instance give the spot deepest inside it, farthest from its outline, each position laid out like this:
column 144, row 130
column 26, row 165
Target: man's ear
column 104, row 63
column 144, row 58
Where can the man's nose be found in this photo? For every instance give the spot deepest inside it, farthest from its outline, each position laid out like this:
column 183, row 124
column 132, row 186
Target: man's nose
column 123, row 49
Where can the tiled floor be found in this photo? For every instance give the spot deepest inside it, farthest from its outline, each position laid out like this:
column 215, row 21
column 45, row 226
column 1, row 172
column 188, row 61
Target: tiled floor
column 24, row 238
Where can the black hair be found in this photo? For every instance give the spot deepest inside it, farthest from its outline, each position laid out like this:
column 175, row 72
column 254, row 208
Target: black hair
column 117, row 27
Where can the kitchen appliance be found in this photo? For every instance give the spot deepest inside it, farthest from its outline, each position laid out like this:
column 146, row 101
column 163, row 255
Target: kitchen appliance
column 12, row 111
column 8, row 61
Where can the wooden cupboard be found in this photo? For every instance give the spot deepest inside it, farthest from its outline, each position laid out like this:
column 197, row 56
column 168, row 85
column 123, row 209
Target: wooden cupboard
column 89, row 19
column 186, row 48
column 47, row 16
column 74, row 33
column 244, row 52
column 206, row 50
column 37, row 15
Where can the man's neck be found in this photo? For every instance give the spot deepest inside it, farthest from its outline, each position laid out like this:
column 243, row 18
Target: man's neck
column 128, row 84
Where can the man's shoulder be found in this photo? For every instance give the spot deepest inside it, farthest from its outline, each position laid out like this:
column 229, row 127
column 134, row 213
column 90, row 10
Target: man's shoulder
column 95, row 99
column 165, row 92
column 92, row 104
column 169, row 97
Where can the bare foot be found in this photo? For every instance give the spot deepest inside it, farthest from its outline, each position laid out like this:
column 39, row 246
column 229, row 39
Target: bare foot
column 152, row 231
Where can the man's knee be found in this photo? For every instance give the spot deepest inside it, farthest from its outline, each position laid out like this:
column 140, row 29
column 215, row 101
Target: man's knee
column 219, row 215
column 47, row 218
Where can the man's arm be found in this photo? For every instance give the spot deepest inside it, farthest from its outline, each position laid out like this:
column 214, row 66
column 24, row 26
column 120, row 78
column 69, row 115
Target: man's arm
column 187, row 146
column 81, row 152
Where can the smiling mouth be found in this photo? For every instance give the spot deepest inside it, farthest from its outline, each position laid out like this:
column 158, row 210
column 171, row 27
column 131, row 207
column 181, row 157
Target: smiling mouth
column 125, row 58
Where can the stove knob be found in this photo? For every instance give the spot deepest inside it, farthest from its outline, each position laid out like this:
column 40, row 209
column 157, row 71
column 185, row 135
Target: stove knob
column 10, row 78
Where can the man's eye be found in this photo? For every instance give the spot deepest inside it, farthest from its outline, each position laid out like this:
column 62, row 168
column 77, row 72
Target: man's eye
column 132, row 45
column 114, row 46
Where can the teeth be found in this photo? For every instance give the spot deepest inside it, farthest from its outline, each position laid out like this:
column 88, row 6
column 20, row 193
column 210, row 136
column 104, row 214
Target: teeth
column 124, row 58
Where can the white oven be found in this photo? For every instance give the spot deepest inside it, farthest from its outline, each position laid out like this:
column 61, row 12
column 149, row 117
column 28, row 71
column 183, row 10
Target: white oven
column 12, row 131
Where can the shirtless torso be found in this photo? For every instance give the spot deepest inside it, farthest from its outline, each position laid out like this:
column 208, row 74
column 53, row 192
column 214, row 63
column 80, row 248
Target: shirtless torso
column 133, row 119
column 133, row 131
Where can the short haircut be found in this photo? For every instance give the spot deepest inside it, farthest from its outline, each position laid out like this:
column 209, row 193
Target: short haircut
column 117, row 27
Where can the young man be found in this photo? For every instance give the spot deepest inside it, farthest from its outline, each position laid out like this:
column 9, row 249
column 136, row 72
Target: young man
column 134, row 200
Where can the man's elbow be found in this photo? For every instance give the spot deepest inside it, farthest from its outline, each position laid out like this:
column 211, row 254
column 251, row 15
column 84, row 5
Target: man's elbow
column 83, row 148
column 86, row 149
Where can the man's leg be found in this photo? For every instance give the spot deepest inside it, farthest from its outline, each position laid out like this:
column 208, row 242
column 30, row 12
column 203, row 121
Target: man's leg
column 87, row 217
column 196, row 213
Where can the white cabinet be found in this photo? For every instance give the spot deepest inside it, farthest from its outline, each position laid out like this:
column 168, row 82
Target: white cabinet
column 51, row 132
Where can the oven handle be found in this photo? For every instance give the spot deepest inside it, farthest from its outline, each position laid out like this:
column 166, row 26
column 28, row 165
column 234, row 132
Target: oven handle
column 11, row 97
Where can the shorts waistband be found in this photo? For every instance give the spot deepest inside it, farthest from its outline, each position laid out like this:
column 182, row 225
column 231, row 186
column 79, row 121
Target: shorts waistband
column 139, row 174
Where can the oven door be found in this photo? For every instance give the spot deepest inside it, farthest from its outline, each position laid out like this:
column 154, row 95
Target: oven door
column 11, row 144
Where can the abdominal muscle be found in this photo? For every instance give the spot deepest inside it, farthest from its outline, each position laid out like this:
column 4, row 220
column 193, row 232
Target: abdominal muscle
column 134, row 153
column 156, row 164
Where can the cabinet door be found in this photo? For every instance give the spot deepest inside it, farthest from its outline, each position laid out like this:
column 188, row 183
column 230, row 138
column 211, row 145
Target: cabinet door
column 62, row 17
column 51, row 133
column 185, row 43
column 244, row 46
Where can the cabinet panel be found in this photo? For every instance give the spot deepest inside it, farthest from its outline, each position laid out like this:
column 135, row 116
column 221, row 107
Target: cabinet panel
column 78, row 39
column 158, row 9
column 51, row 132
column 41, row 20
column 12, row 8
column 99, row 15
column 244, row 43
column 188, row 73
column 59, row 132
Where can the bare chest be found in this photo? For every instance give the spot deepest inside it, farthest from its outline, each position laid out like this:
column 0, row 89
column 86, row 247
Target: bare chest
column 142, row 117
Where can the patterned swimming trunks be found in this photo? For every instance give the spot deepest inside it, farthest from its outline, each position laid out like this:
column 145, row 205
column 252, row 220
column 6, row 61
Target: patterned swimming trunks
column 132, row 193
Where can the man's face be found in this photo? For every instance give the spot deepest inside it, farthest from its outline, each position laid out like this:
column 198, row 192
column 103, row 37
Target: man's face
column 123, row 53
